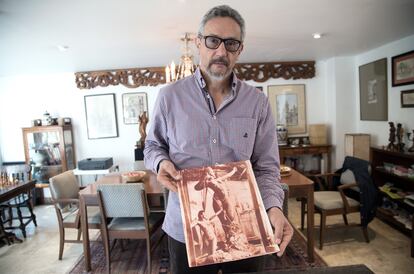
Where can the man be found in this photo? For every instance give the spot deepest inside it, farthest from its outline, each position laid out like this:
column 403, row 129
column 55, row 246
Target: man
column 212, row 118
column 221, row 200
column 207, row 239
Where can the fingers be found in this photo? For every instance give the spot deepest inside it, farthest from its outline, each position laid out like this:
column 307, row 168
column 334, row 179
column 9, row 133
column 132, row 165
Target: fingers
column 168, row 175
column 287, row 236
column 282, row 229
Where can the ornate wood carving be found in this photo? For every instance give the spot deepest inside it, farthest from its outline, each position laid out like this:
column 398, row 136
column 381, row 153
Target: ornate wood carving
column 131, row 78
column 153, row 76
column 261, row 72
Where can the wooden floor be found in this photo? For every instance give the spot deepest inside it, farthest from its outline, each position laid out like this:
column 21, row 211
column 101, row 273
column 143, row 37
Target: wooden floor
column 388, row 251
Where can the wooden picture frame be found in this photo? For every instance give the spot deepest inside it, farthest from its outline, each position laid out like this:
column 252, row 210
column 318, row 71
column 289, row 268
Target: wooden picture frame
column 403, row 69
column 134, row 104
column 289, row 106
column 407, row 98
column 101, row 119
column 373, row 91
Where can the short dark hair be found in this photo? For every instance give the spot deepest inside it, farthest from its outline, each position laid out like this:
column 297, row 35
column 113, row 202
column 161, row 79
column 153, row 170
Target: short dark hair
column 223, row 11
column 199, row 213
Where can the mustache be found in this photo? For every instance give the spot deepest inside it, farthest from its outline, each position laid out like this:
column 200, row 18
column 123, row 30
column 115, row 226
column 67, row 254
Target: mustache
column 219, row 60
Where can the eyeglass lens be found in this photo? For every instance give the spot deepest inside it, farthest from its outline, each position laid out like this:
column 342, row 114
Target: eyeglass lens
column 213, row 42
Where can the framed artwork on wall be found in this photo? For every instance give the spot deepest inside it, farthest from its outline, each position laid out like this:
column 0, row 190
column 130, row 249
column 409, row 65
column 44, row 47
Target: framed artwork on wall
column 373, row 91
column 101, row 120
column 289, row 106
column 134, row 104
column 407, row 98
column 403, row 69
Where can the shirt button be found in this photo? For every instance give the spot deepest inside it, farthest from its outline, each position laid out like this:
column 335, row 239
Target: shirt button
column 214, row 141
column 208, row 96
column 214, row 117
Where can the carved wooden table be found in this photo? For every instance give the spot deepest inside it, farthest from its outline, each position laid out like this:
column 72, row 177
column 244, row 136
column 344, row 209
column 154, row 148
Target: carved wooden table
column 285, row 151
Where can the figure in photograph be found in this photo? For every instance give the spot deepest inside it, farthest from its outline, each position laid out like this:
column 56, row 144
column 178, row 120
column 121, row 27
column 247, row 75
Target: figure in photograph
column 208, row 239
column 210, row 118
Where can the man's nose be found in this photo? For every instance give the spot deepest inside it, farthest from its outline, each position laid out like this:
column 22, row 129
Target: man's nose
column 221, row 50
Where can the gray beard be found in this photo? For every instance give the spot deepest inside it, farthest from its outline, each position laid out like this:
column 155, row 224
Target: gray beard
column 218, row 76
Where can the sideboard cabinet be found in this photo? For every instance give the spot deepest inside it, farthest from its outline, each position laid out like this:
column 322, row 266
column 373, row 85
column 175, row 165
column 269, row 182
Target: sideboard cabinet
column 49, row 150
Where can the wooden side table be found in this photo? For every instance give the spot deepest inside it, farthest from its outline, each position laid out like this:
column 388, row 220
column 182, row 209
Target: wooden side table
column 285, row 151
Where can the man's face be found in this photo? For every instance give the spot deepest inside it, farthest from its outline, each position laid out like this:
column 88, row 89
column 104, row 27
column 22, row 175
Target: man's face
column 219, row 63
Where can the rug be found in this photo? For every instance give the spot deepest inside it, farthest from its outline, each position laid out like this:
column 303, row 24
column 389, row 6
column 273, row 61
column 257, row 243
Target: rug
column 133, row 258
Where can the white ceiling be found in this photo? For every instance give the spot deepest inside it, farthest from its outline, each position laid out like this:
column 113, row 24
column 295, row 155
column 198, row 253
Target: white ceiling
column 104, row 34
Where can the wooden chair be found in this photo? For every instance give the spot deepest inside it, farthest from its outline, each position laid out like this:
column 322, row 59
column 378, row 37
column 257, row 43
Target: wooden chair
column 65, row 196
column 331, row 202
column 126, row 205
column 21, row 172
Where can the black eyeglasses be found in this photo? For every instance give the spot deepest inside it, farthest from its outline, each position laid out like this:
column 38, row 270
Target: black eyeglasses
column 213, row 42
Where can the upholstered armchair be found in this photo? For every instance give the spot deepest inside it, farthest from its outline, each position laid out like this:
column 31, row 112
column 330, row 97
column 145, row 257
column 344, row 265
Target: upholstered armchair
column 65, row 196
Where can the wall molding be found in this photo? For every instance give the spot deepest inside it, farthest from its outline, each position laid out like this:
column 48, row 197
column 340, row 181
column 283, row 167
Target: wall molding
column 153, row 76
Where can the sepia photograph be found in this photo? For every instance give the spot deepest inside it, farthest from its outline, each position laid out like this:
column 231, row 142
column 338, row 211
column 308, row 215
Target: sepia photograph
column 223, row 214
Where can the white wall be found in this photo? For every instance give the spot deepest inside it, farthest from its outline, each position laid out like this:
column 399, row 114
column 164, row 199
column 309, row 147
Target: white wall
column 340, row 103
column 379, row 130
column 27, row 97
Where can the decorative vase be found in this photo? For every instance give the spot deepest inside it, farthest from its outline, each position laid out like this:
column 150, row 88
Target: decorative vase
column 282, row 134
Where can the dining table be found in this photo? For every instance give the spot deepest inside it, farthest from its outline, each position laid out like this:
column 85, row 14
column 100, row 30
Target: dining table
column 11, row 190
column 89, row 197
column 301, row 186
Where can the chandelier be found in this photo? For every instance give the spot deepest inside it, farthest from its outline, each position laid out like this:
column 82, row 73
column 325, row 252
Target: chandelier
column 186, row 66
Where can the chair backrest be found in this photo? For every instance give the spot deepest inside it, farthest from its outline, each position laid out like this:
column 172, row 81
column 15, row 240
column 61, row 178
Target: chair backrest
column 285, row 188
column 19, row 170
column 64, row 186
column 348, row 177
column 123, row 200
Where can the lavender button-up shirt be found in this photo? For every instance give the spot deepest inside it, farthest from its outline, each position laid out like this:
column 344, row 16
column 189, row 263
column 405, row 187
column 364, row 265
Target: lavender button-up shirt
column 188, row 130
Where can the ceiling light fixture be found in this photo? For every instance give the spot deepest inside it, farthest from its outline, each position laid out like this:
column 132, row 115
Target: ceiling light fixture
column 317, row 35
column 186, row 66
column 62, row 48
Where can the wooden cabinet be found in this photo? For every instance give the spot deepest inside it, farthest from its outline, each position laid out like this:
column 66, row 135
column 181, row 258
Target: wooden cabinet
column 394, row 207
column 49, row 150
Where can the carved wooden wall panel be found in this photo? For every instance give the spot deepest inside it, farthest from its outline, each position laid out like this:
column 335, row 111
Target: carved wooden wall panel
column 131, row 78
column 153, row 76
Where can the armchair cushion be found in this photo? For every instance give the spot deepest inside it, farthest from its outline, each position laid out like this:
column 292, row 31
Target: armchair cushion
column 331, row 200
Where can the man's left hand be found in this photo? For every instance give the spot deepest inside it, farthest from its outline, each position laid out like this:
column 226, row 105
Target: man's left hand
column 282, row 227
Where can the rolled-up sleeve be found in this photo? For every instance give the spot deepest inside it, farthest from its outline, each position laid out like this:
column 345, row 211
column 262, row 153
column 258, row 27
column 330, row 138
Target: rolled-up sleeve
column 156, row 144
column 265, row 159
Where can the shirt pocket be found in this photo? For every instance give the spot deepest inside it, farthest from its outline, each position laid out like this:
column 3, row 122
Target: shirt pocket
column 242, row 135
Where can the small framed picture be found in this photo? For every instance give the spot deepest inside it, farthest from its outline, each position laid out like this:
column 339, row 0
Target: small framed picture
column 403, row 69
column 288, row 106
column 134, row 104
column 407, row 98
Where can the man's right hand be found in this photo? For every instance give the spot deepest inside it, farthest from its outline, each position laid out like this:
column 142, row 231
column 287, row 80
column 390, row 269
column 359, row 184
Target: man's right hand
column 168, row 175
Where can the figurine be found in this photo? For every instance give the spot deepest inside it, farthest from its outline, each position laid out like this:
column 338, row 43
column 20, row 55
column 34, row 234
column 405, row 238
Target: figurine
column 411, row 149
column 143, row 121
column 400, row 135
column 391, row 145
